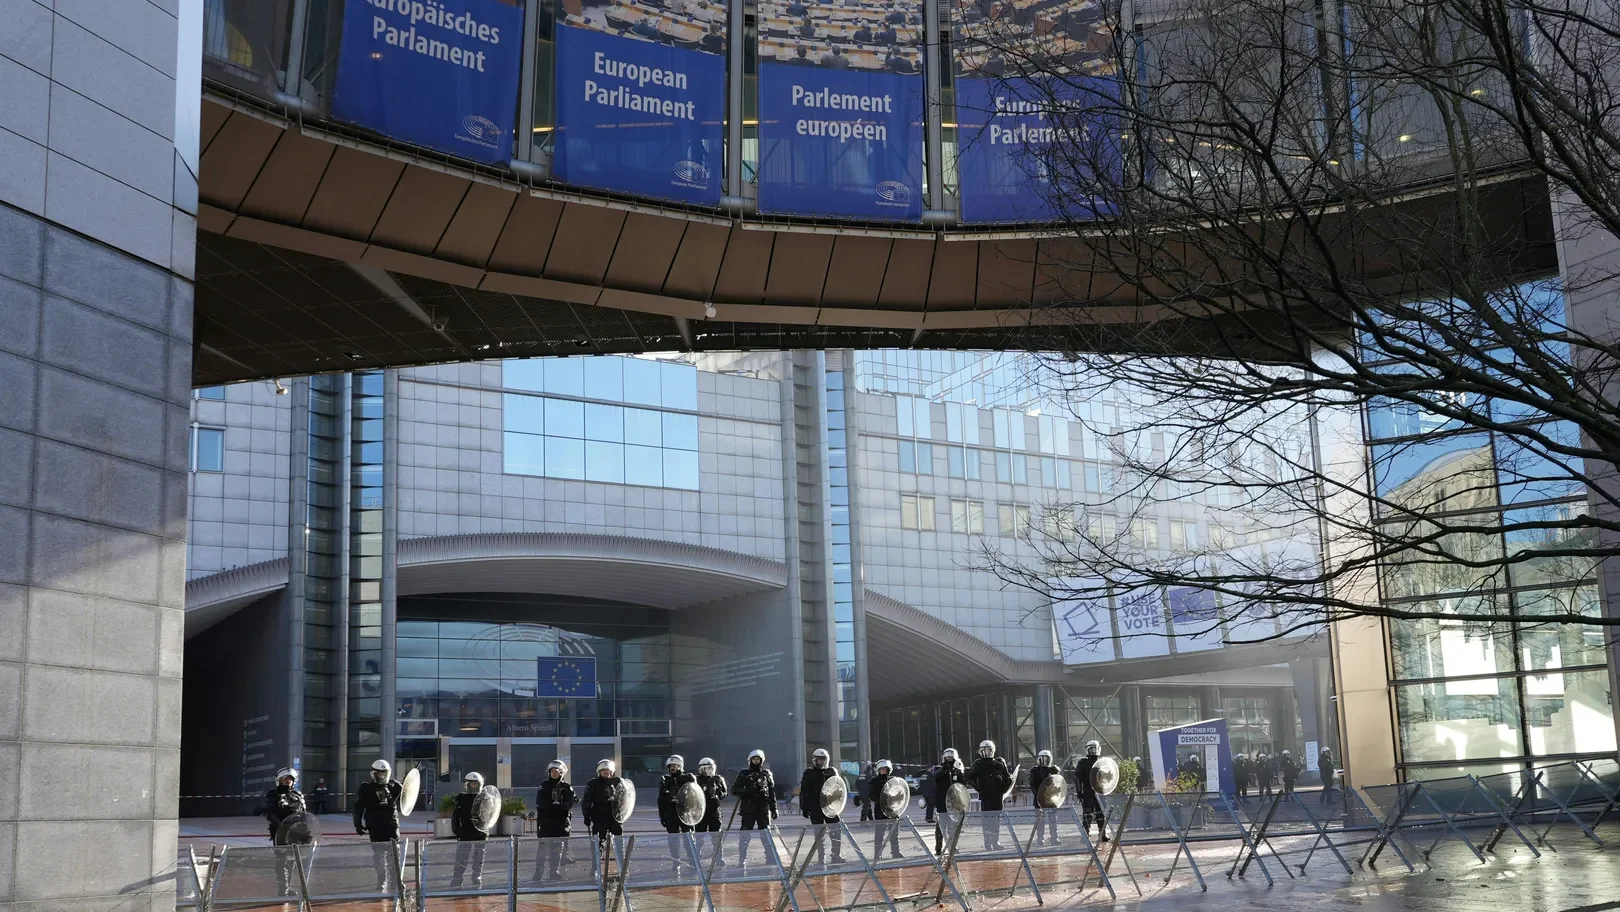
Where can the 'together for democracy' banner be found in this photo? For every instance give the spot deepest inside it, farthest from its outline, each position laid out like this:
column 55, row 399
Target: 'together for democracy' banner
column 438, row 73
column 841, row 109
column 641, row 96
column 1035, row 147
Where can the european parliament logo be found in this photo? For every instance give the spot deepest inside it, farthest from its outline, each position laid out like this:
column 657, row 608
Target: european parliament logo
column 566, row 676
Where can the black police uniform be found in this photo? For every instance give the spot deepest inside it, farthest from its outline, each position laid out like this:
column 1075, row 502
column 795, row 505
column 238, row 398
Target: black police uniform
column 553, row 804
column 755, row 789
column 1090, row 804
column 600, row 807
column 991, row 778
column 1324, row 768
column 887, row 824
column 1265, row 770
column 810, row 785
column 939, row 801
column 714, row 792
column 319, row 798
column 669, row 812
column 1037, row 777
column 470, row 839
column 376, row 814
column 1240, row 776
column 280, row 803
column 1290, row 773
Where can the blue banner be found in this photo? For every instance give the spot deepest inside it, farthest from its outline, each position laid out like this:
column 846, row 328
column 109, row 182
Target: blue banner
column 841, row 109
column 637, row 114
column 1035, row 150
column 565, row 676
column 437, row 73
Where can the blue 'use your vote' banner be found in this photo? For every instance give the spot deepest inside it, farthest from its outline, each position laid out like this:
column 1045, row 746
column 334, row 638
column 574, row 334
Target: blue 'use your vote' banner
column 641, row 95
column 437, row 73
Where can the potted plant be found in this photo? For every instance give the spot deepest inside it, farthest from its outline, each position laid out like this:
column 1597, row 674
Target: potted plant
column 511, row 823
column 441, row 826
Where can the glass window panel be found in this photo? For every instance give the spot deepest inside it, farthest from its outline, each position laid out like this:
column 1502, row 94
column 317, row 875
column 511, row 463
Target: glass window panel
column 564, row 418
column 1004, row 467
column 1450, row 473
column 210, row 450
column 211, row 392
column 908, row 456
column 1569, row 713
column 1020, row 469
column 1016, row 429
column 641, row 381
column 680, row 431
column 925, row 514
column 1459, row 720
column 604, row 461
column 924, row 413
column 1065, row 479
column 970, row 424
column 1048, row 472
column 681, row 469
column 956, row 463
column 1527, row 475
column 565, row 376
column 565, row 458
column 975, row 464
column 604, row 422
column 679, row 385
column 1440, row 566
column 644, row 466
column 953, row 422
column 975, row 517
column 1442, row 648
column 904, row 423
column 908, row 511
column 604, row 378
column 835, row 395
column 643, row 427
column 1044, row 432
column 1542, row 535
column 925, row 459
column 1060, row 431
column 528, row 374
column 1560, row 644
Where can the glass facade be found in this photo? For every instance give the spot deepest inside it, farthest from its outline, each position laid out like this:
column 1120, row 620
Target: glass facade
column 611, row 419
column 322, row 656
column 365, row 685
column 207, row 449
column 843, row 601
column 1470, row 695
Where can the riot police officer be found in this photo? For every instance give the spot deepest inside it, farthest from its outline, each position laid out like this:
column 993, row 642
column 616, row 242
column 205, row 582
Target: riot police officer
column 1090, row 805
column 600, row 806
column 470, row 833
column 376, row 814
column 810, row 785
column 992, row 779
column 675, row 776
column 949, row 773
column 1038, row 774
column 1194, row 768
column 1290, row 772
column 1264, row 771
column 1240, row 776
column 282, row 802
column 1324, row 769
column 714, row 791
column 553, row 804
column 755, row 789
column 887, row 823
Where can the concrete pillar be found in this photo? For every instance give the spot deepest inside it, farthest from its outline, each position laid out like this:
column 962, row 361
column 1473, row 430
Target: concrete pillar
column 1132, row 728
column 1045, row 729
column 98, row 160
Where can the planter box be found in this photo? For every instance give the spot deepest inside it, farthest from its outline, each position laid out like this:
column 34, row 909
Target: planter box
column 441, row 828
column 509, row 826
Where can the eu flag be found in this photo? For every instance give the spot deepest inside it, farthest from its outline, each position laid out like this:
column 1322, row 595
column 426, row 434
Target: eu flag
column 566, row 676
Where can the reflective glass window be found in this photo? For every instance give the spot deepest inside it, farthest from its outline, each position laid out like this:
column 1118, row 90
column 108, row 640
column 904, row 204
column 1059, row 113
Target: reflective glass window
column 1543, row 534
column 904, row 423
column 1560, row 644
column 925, row 419
column 1020, row 469
column 641, row 381
column 970, row 424
column 604, row 378
column 211, row 392
column 681, row 469
column 643, row 427
column 908, row 456
column 679, row 385
column 1440, row 647
column 565, row 458
column 1459, row 720
column 524, row 413
column 1004, row 467
column 680, row 431
column 604, row 461
column 1569, row 713
column 925, row 459
column 1528, row 475
column 644, row 466
column 604, row 422
column 1448, row 473
column 956, row 463
column 209, row 450
column 565, row 376
column 564, row 418
column 999, row 424
column 524, row 375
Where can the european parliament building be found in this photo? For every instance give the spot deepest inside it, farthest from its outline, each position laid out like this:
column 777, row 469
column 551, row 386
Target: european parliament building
column 745, row 551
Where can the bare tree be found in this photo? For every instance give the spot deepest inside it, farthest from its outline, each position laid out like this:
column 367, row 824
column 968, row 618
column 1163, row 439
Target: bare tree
column 1329, row 210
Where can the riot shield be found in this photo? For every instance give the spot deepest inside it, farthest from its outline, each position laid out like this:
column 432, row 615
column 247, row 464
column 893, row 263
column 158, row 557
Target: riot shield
column 487, row 808
column 957, row 800
column 298, row 829
column 1104, row 776
column 894, row 796
column 690, row 804
column 627, row 800
column 1054, row 791
column 834, row 795
column 409, row 788
column 1012, row 783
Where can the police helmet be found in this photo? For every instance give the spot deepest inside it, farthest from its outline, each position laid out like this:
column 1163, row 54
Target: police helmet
column 380, row 770
column 820, row 758
column 475, row 782
column 286, row 772
column 1093, row 748
column 987, row 748
column 675, row 760
column 558, row 765
column 885, row 765
column 756, row 755
column 1044, row 757
column 608, row 765
column 706, row 766
column 949, row 756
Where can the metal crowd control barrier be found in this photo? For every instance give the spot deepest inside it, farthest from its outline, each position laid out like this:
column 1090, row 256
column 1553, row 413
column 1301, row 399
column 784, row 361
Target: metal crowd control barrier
column 303, row 875
column 1576, row 787
column 650, row 861
column 1056, row 845
column 745, row 858
column 901, row 861
column 823, row 857
column 979, row 837
column 188, row 886
column 510, row 867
